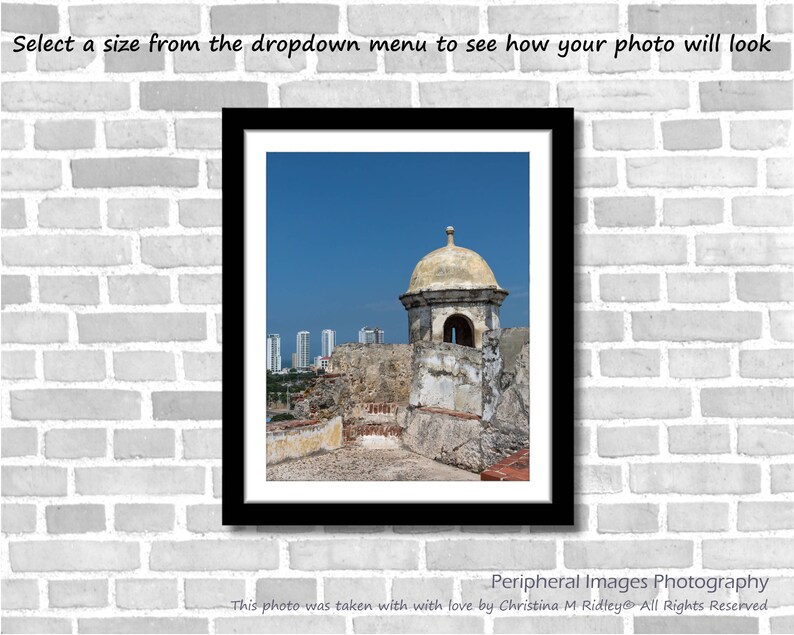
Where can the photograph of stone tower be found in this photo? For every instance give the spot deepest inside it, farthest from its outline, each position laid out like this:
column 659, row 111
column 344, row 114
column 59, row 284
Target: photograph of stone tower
column 446, row 396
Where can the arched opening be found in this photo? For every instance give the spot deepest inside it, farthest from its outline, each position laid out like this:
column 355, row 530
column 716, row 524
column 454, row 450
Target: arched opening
column 458, row 330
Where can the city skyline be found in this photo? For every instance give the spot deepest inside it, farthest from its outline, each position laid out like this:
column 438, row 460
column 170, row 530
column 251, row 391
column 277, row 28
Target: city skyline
column 364, row 220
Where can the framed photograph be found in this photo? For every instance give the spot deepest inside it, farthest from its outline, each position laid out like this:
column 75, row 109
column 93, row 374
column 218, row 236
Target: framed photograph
column 380, row 287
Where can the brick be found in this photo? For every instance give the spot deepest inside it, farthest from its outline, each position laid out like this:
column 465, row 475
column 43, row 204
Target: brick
column 766, row 363
column 13, row 213
column 699, row 363
column 698, row 516
column 203, row 443
column 30, row 174
column 692, row 134
column 685, row 326
column 203, row 518
column 200, row 212
column 629, row 363
column 214, row 173
column 139, row 289
column 595, row 172
column 480, row 589
column 765, row 440
column 58, row 62
column 202, row 96
column 421, row 589
column 274, row 62
column 598, row 479
column 138, row 62
column 628, row 518
column 679, row 59
column 134, row 19
column 19, row 364
column 747, row 402
column 136, row 133
column 708, row 439
column 549, row 61
column 581, row 288
column 778, row 58
column 201, row 366
column 745, row 95
column 695, row 478
column 29, row 18
column 781, row 324
column 13, row 133
column 199, row 555
column 198, row 133
column 624, row 95
column 629, row 287
column 778, row 592
column 624, row 211
column 778, row 18
column 69, row 289
column 628, row 441
column 782, row 478
column 19, row 594
column 372, row 590
column 151, row 480
column 212, row 593
column 66, row 250
column 144, row 366
column 604, row 61
column 346, row 94
column 150, row 443
column 74, row 555
column 146, row 594
column 580, row 211
column 203, row 60
column 633, row 403
column 200, row 289
column 623, row 134
column 74, row 365
column 141, row 327
column 144, row 517
column 765, row 515
column 778, row 173
column 36, row 625
column 78, row 593
column 553, row 18
column 298, row 590
column 692, row 19
column 690, row 171
column 186, row 405
column 748, row 553
column 181, row 251
column 695, row 624
column 412, row 19
column 217, row 480
column 633, row 554
column 288, row 18
column 598, row 326
column 682, row 212
column 347, row 61
column 69, row 213
column 353, row 554
column 12, row 62
column 104, row 625
column 19, row 442
column 65, row 134
column 743, row 249
column 70, row 519
column 135, row 213
column 66, row 403
column 15, row 290
column 65, row 96
column 582, row 363
column 283, row 624
column 630, row 249
column 489, row 554
column 483, row 62
column 415, row 62
column 18, row 519
column 135, row 172
column 698, row 287
column 71, row 443
column 761, row 211
column 34, row 328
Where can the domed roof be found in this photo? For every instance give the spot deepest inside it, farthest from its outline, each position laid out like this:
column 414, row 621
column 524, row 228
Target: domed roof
column 451, row 267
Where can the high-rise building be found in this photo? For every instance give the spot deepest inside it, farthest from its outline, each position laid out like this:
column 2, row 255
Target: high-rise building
column 274, row 352
column 329, row 342
column 370, row 335
column 294, row 360
column 302, row 347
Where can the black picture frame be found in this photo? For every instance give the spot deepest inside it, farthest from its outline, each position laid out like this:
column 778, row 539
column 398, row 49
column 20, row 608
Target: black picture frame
column 560, row 121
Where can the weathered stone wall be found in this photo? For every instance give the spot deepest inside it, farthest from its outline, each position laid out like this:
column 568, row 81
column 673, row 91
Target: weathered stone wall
column 446, row 376
column 505, row 381
column 374, row 372
column 303, row 440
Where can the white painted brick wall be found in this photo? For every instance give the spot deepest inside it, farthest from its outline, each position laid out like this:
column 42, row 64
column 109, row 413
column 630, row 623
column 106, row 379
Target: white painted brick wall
column 112, row 323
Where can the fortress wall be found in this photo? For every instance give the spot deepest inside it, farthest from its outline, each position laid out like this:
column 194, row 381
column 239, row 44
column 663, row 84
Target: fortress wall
column 446, row 376
column 374, row 372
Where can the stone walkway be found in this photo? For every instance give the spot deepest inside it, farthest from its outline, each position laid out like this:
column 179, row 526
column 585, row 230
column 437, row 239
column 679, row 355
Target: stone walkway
column 362, row 464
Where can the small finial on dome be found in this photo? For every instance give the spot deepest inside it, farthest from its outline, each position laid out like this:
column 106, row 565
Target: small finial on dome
column 450, row 236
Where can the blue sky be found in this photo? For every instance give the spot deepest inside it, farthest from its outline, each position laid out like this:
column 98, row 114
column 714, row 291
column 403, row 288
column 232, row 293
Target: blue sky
column 345, row 230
